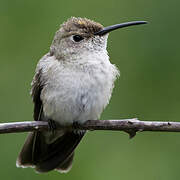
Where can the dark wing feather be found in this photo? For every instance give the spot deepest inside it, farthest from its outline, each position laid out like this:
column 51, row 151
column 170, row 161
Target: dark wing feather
column 26, row 156
column 37, row 86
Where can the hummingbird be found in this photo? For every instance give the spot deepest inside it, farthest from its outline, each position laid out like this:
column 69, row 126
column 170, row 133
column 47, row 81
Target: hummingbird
column 73, row 83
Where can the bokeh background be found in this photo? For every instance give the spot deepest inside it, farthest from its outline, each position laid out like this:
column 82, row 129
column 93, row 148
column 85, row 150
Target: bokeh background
column 149, row 87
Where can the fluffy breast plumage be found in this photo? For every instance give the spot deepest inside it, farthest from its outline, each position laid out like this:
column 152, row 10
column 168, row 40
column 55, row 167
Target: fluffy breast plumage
column 76, row 91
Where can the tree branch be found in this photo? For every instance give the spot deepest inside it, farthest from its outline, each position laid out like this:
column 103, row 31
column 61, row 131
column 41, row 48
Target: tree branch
column 131, row 126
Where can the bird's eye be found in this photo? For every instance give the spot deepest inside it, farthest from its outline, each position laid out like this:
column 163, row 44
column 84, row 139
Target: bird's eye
column 77, row 38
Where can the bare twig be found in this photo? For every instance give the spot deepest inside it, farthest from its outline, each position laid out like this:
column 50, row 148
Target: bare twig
column 130, row 126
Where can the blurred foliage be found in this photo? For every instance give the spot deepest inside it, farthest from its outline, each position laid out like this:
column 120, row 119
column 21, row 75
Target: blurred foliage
column 149, row 59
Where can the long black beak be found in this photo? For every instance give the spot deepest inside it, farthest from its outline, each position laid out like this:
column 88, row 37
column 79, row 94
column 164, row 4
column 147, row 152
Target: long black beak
column 117, row 26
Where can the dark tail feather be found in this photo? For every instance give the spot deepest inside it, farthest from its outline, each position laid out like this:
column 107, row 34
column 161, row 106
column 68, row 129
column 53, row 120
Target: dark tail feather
column 25, row 156
column 66, row 166
column 46, row 157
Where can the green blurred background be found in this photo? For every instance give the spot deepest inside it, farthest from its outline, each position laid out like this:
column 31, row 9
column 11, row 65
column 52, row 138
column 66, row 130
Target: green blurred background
column 149, row 59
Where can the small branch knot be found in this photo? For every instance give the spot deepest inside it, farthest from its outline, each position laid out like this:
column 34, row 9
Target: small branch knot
column 132, row 133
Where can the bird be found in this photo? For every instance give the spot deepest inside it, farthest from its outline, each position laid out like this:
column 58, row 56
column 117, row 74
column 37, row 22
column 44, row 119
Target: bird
column 73, row 83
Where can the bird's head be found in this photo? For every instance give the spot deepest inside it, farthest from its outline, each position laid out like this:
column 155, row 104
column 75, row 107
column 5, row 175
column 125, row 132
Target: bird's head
column 79, row 37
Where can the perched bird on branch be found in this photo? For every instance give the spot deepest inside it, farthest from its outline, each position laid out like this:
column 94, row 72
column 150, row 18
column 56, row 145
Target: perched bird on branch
column 73, row 83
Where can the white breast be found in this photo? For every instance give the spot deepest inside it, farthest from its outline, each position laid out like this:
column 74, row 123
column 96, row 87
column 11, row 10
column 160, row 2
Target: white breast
column 76, row 91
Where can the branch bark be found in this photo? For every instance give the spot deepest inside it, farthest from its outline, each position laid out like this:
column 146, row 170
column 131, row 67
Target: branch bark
column 131, row 126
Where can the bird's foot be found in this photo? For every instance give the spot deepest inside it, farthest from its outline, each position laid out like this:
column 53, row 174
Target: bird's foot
column 76, row 128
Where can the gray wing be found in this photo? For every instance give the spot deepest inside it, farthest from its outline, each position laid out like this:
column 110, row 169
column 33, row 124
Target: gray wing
column 37, row 86
column 36, row 152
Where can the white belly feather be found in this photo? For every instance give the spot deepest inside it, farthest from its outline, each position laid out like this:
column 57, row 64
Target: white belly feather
column 76, row 94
